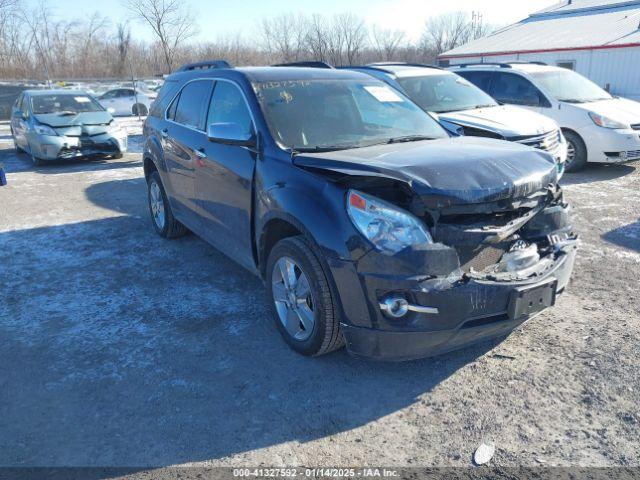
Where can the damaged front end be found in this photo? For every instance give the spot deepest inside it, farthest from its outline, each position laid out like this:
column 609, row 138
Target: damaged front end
column 498, row 256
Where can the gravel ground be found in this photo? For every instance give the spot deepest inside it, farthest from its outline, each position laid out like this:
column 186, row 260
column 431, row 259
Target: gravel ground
column 119, row 348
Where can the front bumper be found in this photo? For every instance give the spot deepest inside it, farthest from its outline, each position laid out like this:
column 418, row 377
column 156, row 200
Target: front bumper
column 48, row 147
column 468, row 311
column 606, row 145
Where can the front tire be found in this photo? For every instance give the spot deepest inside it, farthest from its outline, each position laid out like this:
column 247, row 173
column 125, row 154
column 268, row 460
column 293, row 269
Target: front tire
column 301, row 299
column 576, row 152
column 162, row 217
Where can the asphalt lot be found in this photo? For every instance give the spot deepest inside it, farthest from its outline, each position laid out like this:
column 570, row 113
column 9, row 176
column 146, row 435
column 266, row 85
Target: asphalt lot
column 119, row 348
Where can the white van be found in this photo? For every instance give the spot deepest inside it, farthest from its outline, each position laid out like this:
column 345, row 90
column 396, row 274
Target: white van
column 598, row 127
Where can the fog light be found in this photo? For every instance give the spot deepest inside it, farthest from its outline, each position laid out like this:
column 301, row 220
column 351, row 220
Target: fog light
column 395, row 307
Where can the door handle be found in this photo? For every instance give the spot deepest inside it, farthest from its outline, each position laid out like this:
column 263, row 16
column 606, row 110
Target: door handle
column 164, row 133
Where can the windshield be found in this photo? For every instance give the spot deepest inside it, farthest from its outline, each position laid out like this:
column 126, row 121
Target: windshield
column 64, row 103
column 445, row 93
column 340, row 114
column 568, row 86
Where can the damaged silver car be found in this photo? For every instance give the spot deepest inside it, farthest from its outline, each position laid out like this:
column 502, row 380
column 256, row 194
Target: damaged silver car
column 64, row 124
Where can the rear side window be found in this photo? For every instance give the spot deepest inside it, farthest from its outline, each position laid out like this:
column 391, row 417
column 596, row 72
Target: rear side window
column 165, row 95
column 481, row 80
column 228, row 106
column 192, row 105
column 514, row 89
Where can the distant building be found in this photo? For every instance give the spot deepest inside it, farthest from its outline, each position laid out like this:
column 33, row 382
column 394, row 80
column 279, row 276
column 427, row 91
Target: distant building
column 598, row 38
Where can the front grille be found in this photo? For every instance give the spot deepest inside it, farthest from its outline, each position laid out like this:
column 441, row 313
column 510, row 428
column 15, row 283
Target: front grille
column 548, row 142
column 633, row 154
column 636, row 126
column 481, row 256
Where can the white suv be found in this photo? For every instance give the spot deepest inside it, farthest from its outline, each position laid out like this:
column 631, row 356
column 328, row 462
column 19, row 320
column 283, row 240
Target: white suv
column 598, row 127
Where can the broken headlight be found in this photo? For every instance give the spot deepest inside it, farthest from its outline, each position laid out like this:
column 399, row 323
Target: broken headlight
column 389, row 228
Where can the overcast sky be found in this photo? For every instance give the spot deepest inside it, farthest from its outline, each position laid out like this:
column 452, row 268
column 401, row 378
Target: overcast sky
column 220, row 17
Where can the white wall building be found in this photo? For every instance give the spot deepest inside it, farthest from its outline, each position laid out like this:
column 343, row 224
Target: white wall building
column 598, row 38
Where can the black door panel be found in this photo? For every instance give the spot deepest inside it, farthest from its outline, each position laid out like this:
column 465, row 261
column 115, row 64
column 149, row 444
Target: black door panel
column 224, row 179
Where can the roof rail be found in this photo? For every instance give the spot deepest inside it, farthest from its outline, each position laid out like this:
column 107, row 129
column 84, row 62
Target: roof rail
column 478, row 64
column 522, row 62
column 308, row 64
column 204, row 65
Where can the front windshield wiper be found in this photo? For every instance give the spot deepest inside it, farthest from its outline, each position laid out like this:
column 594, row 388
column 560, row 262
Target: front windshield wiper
column 67, row 113
column 321, row 148
column 402, row 139
column 573, row 100
column 464, row 109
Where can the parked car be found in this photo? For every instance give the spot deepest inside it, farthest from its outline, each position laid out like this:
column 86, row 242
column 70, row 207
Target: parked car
column 3, row 176
column 463, row 108
column 368, row 222
column 62, row 124
column 126, row 101
column 598, row 126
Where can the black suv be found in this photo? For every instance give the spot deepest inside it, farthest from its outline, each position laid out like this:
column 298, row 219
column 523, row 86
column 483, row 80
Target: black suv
column 369, row 224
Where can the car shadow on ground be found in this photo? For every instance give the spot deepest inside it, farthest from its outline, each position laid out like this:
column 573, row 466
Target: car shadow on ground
column 595, row 172
column 122, row 348
column 627, row 236
column 21, row 162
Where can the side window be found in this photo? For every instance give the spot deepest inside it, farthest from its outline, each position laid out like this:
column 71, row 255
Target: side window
column 482, row 80
column 19, row 102
column 192, row 105
column 165, row 95
column 228, row 106
column 517, row 90
column 110, row 94
column 171, row 113
column 126, row 93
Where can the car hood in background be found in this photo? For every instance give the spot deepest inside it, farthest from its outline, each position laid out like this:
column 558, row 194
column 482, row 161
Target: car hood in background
column 87, row 118
column 90, row 123
column 619, row 109
column 505, row 120
column 446, row 172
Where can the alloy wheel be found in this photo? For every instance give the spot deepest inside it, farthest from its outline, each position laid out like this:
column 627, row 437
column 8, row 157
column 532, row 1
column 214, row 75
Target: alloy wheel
column 293, row 298
column 156, row 201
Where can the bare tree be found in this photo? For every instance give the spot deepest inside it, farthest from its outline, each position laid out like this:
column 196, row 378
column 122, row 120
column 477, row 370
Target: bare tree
column 350, row 34
column 171, row 22
column 386, row 42
column 284, row 37
column 123, row 44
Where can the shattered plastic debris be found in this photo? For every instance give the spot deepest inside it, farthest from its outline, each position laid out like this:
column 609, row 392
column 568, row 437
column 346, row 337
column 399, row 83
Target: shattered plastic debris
column 484, row 453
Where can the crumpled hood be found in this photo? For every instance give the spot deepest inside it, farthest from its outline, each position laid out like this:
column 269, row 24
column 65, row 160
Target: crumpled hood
column 506, row 120
column 446, row 172
column 619, row 109
column 93, row 121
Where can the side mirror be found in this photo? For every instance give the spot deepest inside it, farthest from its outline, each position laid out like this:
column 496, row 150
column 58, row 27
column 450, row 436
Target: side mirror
column 230, row 134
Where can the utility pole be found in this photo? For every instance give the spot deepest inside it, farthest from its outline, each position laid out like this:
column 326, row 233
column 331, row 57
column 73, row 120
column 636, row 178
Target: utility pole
column 135, row 90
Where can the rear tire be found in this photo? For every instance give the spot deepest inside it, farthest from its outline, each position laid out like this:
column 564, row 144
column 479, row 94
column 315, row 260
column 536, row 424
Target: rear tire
column 162, row 217
column 577, row 152
column 308, row 322
column 139, row 109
